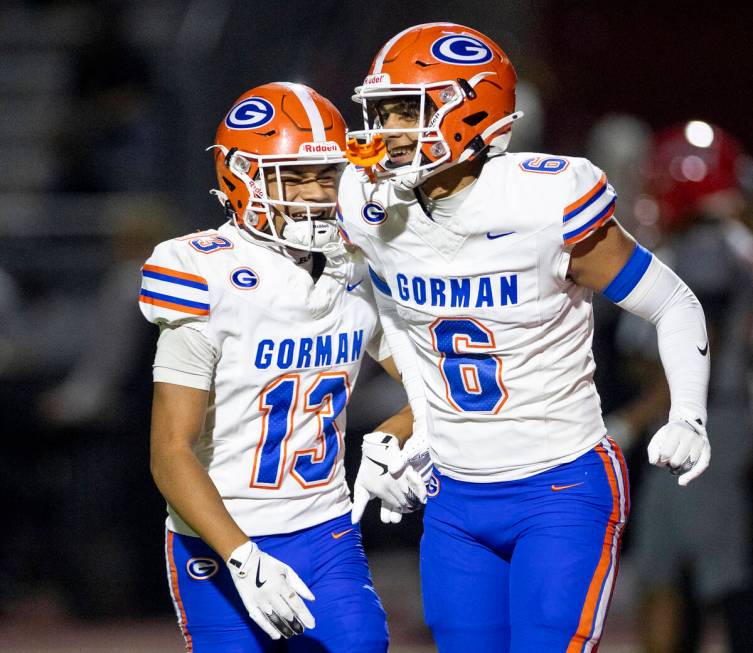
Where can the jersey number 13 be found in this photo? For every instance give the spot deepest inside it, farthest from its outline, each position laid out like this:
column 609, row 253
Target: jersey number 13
column 279, row 402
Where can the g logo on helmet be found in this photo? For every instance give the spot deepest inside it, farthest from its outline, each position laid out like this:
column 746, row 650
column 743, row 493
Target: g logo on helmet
column 202, row 568
column 373, row 213
column 250, row 114
column 244, row 278
column 461, row 50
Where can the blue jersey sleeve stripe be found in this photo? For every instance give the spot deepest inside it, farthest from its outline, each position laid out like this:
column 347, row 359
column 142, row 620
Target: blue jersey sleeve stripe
column 585, row 205
column 576, row 232
column 170, row 279
column 380, row 283
column 631, row 273
column 174, row 300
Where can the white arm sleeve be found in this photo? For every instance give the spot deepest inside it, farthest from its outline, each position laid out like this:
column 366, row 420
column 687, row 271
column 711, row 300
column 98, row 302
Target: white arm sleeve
column 185, row 356
column 663, row 299
column 406, row 361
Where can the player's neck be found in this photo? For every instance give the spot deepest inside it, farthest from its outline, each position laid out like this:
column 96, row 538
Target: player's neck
column 452, row 180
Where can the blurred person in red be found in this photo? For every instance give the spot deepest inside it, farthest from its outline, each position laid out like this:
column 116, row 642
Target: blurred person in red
column 691, row 546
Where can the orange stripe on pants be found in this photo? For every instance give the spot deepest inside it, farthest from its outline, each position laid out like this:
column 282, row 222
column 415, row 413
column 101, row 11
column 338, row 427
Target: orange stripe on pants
column 591, row 605
column 625, row 479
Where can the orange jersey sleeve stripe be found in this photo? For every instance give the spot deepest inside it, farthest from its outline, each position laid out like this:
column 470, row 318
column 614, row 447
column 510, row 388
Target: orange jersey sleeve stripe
column 175, row 307
column 588, row 195
column 578, row 237
column 175, row 273
column 591, row 605
column 173, row 577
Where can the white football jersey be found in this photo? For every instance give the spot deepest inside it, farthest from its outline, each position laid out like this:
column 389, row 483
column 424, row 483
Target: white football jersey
column 289, row 354
column 502, row 337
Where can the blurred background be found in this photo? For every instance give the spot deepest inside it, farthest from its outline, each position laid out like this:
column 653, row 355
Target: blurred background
column 105, row 111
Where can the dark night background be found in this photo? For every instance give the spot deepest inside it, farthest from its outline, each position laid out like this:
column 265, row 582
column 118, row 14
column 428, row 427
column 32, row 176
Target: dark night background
column 106, row 109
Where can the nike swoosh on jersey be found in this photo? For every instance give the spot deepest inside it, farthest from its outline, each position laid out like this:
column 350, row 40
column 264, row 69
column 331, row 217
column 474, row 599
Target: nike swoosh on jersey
column 558, row 488
column 350, row 287
column 337, row 536
column 703, row 351
column 259, row 582
column 492, row 236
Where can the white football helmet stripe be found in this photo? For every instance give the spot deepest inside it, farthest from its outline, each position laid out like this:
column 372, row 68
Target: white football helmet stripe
column 315, row 118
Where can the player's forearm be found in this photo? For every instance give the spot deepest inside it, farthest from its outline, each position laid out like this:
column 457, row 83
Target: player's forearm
column 187, row 487
column 405, row 363
column 178, row 414
column 400, row 425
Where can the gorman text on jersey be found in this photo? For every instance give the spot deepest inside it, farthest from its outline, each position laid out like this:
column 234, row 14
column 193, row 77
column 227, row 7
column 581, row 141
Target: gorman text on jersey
column 302, row 353
column 462, row 292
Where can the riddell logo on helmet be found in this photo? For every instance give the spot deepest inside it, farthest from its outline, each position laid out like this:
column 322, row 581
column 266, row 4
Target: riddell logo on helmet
column 318, row 148
column 383, row 79
column 256, row 191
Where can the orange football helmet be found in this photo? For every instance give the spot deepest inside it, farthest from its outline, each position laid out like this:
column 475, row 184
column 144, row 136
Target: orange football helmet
column 273, row 127
column 466, row 76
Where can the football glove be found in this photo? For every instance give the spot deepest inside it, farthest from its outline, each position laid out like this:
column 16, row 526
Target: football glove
column 683, row 447
column 424, row 467
column 385, row 474
column 271, row 592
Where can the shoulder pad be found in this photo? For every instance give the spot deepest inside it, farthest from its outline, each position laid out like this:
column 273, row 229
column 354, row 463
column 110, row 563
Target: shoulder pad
column 173, row 291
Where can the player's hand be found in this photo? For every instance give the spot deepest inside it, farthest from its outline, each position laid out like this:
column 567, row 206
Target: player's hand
column 683, row 447
column 385, row 474
column 271, row 592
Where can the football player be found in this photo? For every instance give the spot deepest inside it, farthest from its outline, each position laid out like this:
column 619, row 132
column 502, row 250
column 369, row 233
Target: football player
column 264, row 323
column 484, row 264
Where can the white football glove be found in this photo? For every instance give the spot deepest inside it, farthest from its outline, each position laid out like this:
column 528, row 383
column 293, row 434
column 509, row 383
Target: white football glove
column 683, row 447
column 271, row 592
column 385, row 474
column 423, row 465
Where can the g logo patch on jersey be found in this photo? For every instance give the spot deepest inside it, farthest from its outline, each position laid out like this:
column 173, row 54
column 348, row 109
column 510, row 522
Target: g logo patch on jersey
column 250, row 114
column 244, row 278
column 461, row 50
column 202, row 568
column 373, row 213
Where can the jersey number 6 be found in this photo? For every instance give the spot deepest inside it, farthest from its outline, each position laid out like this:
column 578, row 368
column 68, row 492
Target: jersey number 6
column 473, row 378
column 326, row 397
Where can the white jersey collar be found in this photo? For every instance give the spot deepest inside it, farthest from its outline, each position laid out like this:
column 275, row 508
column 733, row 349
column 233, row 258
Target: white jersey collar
column 448, row 227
